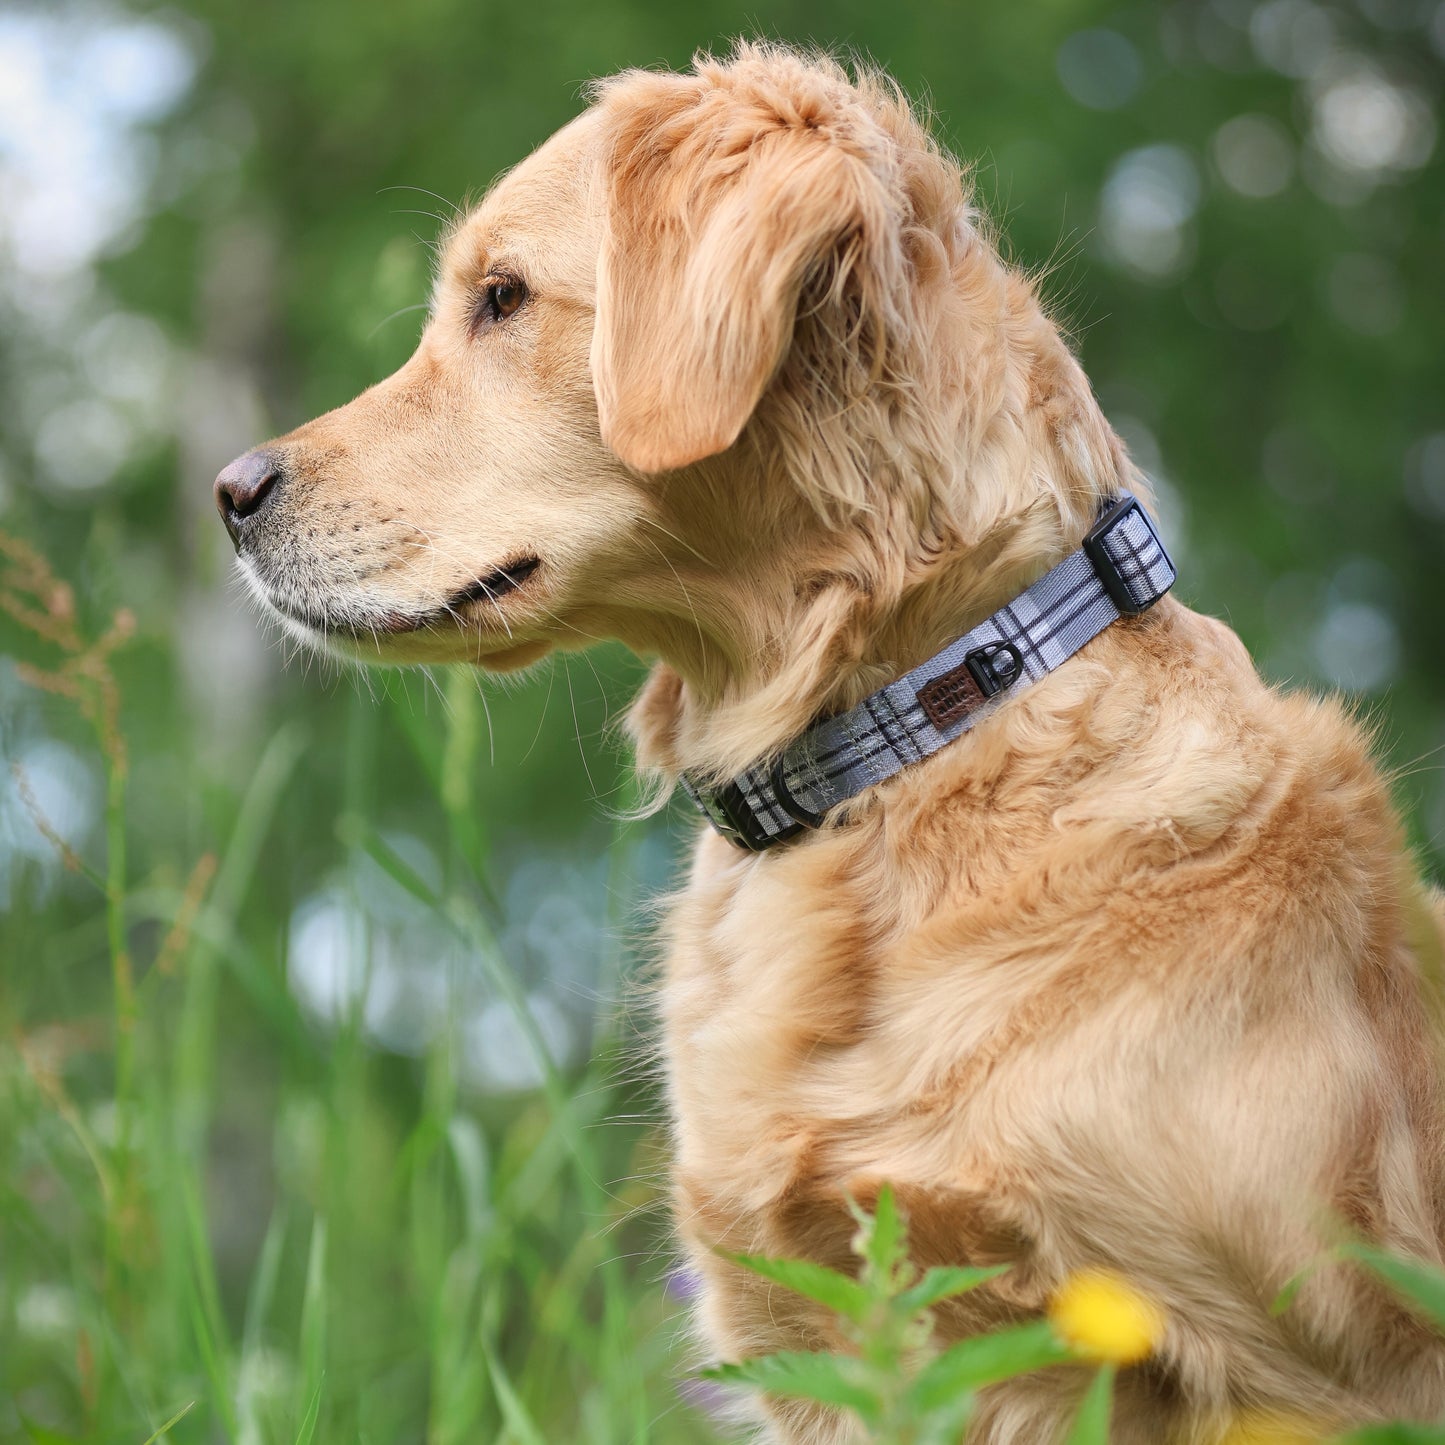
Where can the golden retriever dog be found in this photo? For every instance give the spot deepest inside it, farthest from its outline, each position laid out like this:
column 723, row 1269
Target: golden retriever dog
column 1132, row 975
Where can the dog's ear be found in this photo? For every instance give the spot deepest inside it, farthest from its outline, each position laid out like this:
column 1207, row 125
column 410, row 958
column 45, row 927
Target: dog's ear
column 723, row 203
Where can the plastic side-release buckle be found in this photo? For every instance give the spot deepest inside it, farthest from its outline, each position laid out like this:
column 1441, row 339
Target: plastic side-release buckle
column 1107, row 567
column 730, row 813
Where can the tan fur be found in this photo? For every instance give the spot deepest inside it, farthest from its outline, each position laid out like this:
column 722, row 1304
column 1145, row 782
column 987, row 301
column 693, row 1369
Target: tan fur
column 1128, row 977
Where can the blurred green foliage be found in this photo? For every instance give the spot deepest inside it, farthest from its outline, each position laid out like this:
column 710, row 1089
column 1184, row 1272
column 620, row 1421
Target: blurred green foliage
column 340, row 1197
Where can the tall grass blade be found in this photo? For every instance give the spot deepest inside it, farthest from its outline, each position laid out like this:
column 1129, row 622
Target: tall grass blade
column 1091, row 1424
column 207, row 1320
column 172, row 1422
column 313, row 1323
column 307, row 1431
column 520, row 1424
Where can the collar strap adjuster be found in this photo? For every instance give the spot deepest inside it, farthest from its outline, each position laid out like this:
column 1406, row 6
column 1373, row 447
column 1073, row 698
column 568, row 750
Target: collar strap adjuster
column 802, row 816
column 995, row 667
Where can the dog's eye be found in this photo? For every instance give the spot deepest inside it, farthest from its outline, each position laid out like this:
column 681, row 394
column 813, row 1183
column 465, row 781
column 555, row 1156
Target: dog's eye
column 501, row 296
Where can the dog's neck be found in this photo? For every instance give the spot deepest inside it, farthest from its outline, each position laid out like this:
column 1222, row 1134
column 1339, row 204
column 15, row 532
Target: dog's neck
column 946, row 541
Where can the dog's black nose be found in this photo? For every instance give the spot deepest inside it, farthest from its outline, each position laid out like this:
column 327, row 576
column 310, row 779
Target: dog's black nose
column 243, row 489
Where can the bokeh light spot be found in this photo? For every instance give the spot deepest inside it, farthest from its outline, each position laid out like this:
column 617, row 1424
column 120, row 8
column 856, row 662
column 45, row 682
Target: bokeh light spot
column 1100, row 69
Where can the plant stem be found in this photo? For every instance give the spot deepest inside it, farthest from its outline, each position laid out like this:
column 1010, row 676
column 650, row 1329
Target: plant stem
column 120, row 965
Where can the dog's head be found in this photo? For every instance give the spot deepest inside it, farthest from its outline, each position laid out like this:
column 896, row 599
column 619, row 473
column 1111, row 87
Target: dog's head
column 725, row 370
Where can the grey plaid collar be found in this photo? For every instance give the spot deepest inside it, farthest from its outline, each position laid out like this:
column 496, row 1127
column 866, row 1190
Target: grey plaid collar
column 1121, row 570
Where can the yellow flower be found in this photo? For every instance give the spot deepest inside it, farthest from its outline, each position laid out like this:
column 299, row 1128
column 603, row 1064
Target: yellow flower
column 1273, row 1430
column 1104, row 1318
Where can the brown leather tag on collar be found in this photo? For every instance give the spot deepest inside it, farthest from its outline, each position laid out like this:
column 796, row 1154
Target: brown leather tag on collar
column 950, row 697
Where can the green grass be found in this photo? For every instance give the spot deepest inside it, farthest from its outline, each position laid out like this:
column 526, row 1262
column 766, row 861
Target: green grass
column 221, row 1223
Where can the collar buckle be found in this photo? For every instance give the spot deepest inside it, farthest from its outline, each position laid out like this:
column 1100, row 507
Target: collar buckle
column 1120, row 545
column 729, row 811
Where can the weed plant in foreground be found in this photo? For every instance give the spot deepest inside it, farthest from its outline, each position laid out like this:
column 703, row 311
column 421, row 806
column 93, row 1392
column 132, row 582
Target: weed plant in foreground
column 906, row 1391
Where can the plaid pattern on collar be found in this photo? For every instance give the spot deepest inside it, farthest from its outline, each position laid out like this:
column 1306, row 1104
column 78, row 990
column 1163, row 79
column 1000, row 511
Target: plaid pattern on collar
column 1121, row 570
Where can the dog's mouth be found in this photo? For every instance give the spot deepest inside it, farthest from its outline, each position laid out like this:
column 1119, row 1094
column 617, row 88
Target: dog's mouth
column 494, row 585
column 449, row 615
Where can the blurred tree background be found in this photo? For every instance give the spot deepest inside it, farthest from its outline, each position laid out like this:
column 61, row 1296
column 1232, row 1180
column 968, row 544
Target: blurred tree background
column 299, row 1137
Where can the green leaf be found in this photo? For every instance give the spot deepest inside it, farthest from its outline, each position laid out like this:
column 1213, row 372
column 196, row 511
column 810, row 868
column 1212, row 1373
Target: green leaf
column 804, row 1375
column 946, row 1424
column 888, row 1245
column 514, row 1412
column 469, row 1156
column 313, row 1326
column 1286, row 1297
column 984, row 1360
column 263, row 1287
column 1398, row 1434
column 43, row 1435
column 880, row 1235
column 358, row 833
column 944, row 1282
column 207, row 1319
column 173, row 1421
column 1418, row 1283
column 815, row 1281
column 307, row 1432
column 1091, row 1424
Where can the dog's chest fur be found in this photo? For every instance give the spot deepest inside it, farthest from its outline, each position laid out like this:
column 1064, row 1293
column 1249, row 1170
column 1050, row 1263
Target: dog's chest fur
column 829, row 1008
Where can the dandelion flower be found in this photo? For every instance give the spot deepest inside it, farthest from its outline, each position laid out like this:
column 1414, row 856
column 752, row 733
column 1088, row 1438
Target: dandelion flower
column 1106, row 1319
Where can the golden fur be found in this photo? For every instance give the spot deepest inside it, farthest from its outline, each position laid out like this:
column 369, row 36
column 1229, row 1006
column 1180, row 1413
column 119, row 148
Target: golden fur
column 1130, row 976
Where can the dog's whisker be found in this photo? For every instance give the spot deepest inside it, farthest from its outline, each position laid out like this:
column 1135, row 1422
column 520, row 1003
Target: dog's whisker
column 400, row 311
column 546, row 702
column 650, row 521
column 687, row 597
column 577, row 726
column 452, row 206
column 491, row 731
